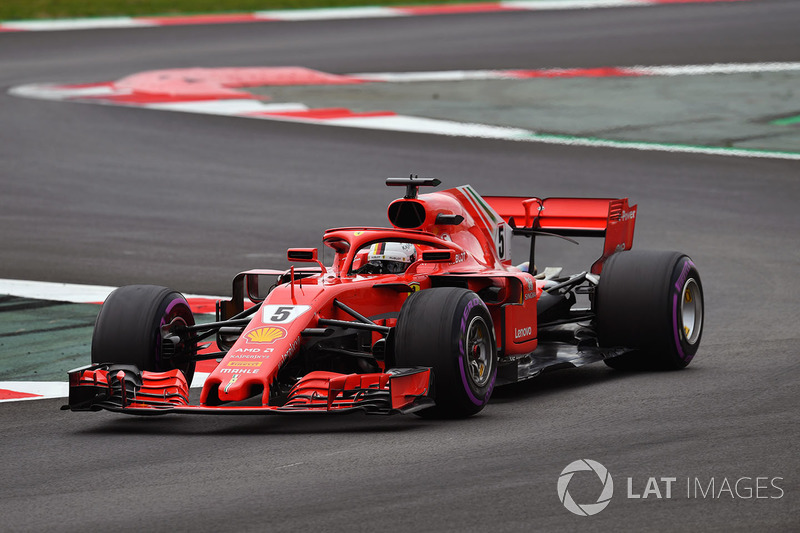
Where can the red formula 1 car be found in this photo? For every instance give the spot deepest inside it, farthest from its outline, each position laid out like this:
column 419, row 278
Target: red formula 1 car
column 427, row 316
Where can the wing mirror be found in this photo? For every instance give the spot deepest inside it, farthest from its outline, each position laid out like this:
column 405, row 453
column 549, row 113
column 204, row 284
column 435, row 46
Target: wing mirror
column 302, row 255
column 305, row 255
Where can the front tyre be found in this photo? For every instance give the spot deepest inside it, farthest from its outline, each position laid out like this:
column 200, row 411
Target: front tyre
column 652, row 302
column 132, row 323
column 450, row 330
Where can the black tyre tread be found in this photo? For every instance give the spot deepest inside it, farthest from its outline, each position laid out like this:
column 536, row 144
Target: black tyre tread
column 125, row 329
column 424, row 337
column 634, row 309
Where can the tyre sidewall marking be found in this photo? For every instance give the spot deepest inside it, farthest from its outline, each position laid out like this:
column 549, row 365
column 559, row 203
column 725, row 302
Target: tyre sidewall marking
column 682, row 347
column 176, row 301
column 475, row 395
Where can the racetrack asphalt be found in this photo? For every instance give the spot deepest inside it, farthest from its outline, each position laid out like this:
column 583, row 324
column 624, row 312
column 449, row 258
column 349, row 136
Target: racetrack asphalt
column 108, row 195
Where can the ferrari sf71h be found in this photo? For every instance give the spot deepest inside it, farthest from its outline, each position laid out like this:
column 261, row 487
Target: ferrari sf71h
column 425, row 316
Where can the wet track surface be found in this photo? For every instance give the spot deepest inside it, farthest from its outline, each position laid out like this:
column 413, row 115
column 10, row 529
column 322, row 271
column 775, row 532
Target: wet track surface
column 108, row 195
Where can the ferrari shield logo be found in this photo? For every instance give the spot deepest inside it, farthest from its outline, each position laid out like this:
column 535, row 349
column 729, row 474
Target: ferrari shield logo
column 233, row 380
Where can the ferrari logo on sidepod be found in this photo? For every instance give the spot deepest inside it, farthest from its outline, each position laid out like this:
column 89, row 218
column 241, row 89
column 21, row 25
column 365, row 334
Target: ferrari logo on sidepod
column 266, row 334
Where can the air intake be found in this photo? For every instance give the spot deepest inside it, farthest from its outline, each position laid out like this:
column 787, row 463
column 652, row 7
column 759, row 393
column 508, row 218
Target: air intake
column 407, row 214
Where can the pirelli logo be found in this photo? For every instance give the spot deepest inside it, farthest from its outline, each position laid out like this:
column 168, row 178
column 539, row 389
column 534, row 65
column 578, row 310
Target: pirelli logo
column 244, row 364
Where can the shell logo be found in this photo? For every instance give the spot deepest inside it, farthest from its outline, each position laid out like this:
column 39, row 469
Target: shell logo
column 266, row 335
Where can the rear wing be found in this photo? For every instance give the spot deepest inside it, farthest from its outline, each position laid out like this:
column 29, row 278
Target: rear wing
column 611, row 218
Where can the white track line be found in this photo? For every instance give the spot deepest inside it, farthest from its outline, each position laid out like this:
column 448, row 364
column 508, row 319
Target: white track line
column 636, row 70
column 60, row 389
column 40, row 290
column 62, row 292
column 75, row 24
column 336, row 13
column 42, row 389
column 254, row 108
column 65, row 292
column 298, row 15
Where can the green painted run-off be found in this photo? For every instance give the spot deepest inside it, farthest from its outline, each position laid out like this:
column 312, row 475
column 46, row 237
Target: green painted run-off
column 786, row 121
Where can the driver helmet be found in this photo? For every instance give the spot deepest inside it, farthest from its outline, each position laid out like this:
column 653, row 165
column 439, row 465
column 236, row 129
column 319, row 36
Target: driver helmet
column 392, row 257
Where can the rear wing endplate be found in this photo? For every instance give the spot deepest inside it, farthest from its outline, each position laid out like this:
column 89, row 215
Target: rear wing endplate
column 611, row 218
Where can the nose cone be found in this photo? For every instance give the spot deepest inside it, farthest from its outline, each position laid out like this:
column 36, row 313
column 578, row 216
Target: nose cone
column 237, row 387
column 233, row 385
column 272, row 337
column 249, row 366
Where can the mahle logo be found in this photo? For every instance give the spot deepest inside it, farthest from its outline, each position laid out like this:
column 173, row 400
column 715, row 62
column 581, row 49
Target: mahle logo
column 586, row 509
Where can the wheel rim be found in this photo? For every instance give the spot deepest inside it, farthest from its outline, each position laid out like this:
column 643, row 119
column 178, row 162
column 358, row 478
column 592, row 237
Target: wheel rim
column 479, row 352
column 691, row 311
column 177, row 313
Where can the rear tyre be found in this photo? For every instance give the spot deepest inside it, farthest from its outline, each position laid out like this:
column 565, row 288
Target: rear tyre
column 450, row 330
column 650, row 301
column 128, row 329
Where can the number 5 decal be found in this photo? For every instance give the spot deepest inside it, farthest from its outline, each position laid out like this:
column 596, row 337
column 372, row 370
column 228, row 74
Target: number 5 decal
column 503, row 241
column 282, row 314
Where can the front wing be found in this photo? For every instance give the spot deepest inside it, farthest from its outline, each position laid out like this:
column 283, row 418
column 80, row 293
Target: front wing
column 126, row 389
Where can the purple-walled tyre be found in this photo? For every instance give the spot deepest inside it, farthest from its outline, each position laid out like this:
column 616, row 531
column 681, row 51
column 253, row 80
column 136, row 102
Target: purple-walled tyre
column 128, row 329
column 652, row 302
column 450, row 330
